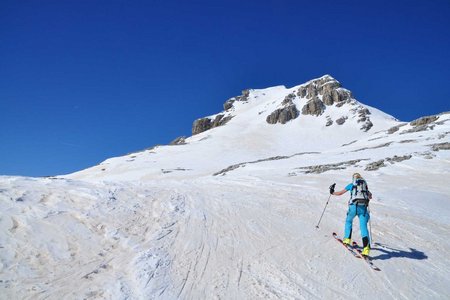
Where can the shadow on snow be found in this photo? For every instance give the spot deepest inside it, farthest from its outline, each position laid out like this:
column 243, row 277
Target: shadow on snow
column 388, row 253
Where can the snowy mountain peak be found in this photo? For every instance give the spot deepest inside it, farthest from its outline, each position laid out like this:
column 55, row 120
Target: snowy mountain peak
column 321, row 97
column 321, row 80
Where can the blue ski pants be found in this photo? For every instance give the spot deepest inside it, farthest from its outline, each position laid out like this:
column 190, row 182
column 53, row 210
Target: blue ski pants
column 361, row 211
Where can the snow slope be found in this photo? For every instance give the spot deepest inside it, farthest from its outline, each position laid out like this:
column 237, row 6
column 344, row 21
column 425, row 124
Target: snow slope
column 232, row 213
column 246, row 137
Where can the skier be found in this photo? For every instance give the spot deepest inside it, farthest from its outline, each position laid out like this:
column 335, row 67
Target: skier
column 358, row 203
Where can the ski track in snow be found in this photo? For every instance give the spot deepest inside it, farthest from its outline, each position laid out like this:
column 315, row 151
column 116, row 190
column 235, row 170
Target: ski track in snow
column 204, row 239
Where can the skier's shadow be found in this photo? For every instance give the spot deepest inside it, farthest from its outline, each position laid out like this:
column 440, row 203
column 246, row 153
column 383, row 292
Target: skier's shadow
column 388, row 253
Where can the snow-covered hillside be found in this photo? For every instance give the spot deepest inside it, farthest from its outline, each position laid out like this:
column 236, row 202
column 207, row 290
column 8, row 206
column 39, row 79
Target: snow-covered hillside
column 230, row 212
column 248, row 136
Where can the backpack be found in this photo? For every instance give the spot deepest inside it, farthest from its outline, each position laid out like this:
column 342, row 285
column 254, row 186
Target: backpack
column 360, row 192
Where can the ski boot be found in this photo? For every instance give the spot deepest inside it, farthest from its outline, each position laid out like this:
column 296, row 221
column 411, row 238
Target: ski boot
column 365, row 251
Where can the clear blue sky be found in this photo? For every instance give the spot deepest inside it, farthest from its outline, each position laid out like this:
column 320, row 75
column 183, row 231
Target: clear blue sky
column 81, row 81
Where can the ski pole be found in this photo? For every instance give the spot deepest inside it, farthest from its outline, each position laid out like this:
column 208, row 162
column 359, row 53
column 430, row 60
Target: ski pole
column 370, row 228
column 331, row 192
column 317, row 226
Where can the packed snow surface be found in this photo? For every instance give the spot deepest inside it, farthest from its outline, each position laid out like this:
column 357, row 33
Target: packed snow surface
column 232, row 214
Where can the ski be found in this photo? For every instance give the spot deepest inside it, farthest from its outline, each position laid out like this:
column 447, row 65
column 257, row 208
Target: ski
column 348, row 247
column 364, row 257
column 356, row 252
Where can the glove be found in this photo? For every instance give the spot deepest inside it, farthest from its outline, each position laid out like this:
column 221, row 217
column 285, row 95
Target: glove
column 332, row 188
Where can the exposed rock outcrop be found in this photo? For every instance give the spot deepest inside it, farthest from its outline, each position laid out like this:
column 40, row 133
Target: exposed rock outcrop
column 422, row 124
column 178, row 141
column 244, row 97
column 374, row 147
column 327, row 167
column 204, row 124
column 220, row 120
column 287, row 112
column 327, row 91
column 381, row 163
column 424, row 121
column 395, row 128
column 367, row 125
column 314, row 107
column 201, row 125
column 375, row 165
column 327, row 87
column 323, row 92
column 363, row 114
column 440, row 146
column 341, row 120
column 243, row 164
column 396, row 158
column 228, row 104
column 301, row 92
column 288, row 99
column 283, row 115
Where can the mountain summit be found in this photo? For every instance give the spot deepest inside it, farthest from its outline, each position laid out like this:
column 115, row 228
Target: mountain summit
column 316, row 97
